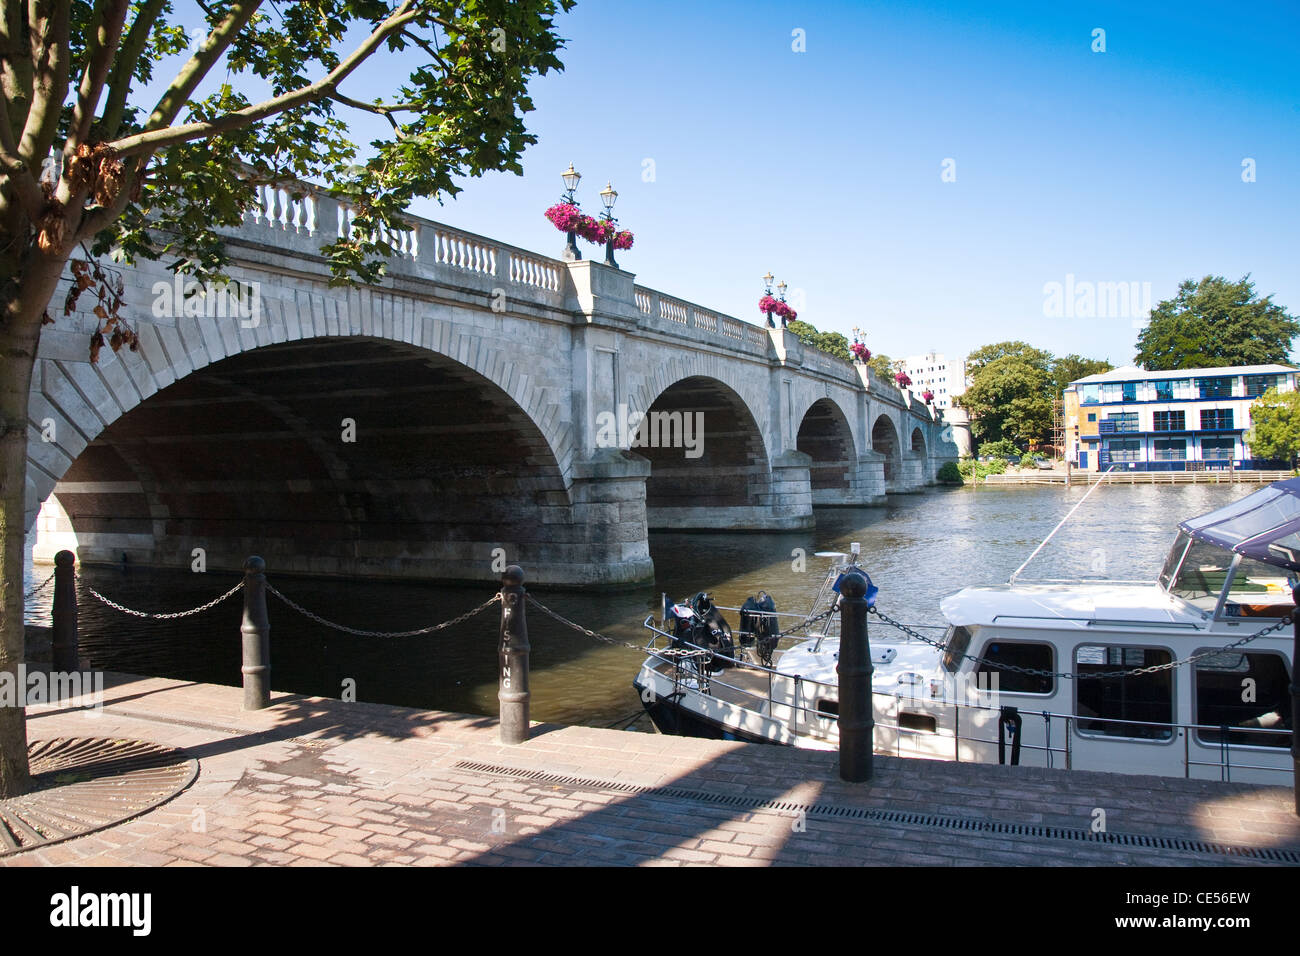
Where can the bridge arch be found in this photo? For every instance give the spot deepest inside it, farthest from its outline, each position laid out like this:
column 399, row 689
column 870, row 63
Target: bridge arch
column 709, row 464
column 884, row 439
column 826, row 437
column 333, row 454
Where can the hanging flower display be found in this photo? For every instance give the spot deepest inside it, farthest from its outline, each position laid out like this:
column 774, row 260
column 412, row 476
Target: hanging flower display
column 902, row 379
column 770, row 304
column 860, row 352
column 564, row 216
column 567, row 217
column 927, row 396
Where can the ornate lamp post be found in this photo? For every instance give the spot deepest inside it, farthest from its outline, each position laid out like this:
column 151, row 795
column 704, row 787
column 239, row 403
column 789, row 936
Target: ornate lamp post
column 780, row 287
column 608, row 196
column 767, row 290
column 571, row 179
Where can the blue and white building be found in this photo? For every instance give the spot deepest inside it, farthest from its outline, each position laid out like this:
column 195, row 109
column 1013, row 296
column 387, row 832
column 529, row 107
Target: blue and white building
column 1168, row 421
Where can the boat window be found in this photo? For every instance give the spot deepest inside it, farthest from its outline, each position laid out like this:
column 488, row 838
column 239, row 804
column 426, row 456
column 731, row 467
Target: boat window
column 1236, row 690
column 1171, row 560
column 1259, row 590
column 828, row 709
column 1102, row 704
column 1201, row 576
column 999, row 654
column 954, row 647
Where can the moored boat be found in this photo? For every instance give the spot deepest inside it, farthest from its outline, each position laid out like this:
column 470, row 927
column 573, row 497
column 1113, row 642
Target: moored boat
column 1187, row 675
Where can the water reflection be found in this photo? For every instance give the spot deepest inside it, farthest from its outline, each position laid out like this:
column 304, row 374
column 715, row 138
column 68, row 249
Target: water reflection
column 917, row 549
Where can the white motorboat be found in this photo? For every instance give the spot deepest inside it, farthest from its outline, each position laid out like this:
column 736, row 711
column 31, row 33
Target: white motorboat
column 1188, row 675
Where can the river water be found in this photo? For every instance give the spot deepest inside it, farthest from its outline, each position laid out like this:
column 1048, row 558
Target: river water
column 917, row 549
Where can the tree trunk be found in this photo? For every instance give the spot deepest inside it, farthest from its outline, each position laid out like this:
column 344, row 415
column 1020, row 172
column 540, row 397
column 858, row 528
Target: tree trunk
column 22, row 304
column 17, row 353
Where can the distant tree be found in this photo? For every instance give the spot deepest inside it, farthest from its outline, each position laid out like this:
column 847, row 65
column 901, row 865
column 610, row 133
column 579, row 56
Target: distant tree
column 1010, row 393
column 883, row 366
column 1071, row 368
column 832, row 343
column 1214, row 323
column 1275, row 425
column 985, row 354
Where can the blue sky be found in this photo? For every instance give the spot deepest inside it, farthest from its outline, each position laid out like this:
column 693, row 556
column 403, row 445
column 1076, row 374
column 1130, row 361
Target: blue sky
column 824, row 166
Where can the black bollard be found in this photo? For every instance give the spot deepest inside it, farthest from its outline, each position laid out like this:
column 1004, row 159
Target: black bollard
column 256, row 631
column 64, row 655
column 512, row 652
column 857, row 726
column 1295, row 701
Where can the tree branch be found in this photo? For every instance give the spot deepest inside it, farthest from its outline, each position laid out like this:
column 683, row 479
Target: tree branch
column 119, row 81
column 152, row 139
column 193, row 72
column 50, row 57
column 101, row 44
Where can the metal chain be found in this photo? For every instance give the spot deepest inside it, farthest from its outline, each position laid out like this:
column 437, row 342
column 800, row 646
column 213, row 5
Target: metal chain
column 641, row 647
column 1066, row 675
column 578, row 627
column 172, row 615
column 39, row 588
column 359, row 633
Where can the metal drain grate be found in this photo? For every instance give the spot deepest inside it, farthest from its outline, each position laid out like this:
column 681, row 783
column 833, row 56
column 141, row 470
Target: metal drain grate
column 906, row 818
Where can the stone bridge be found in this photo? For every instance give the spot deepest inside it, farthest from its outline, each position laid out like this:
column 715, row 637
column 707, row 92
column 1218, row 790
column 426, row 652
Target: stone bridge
column 481, row 398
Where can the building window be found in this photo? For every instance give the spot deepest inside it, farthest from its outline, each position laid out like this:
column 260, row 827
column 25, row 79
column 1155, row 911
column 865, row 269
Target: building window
column 1171, row 449
column 1216, row 387
column 1170, row 421
column 1257, row 385
column 1119, row 422
column 1164, row 390
column 1218, row 448
column 1092, row 416
column 1129, row 391
column 1101, row 704
column 1216, row 419
column 1124, row 449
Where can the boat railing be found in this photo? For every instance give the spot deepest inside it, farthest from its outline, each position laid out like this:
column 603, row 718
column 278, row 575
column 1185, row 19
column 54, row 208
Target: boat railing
column 706, row 681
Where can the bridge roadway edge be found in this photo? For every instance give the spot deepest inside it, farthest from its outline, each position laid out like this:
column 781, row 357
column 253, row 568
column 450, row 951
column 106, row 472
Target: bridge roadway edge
column 316, row 781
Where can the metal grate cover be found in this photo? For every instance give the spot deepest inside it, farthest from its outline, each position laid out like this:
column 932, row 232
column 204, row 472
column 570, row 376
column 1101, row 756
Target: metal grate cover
column 928, row 820
column 84, row 784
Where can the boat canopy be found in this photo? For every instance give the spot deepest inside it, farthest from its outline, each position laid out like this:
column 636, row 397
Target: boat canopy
column 1264, row 525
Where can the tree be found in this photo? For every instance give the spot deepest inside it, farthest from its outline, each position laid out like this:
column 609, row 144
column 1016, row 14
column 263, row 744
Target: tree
column 1010, row 392
column 883, row 366
column 832, row 343
column 1214, row 323
column 141, row 179
column 1275, row 425
column 1071, row 368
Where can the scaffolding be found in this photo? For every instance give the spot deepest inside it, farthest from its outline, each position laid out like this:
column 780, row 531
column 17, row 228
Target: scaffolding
column 1058, row 428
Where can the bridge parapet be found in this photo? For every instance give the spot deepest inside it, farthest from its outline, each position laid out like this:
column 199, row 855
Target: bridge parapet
column 708, row 324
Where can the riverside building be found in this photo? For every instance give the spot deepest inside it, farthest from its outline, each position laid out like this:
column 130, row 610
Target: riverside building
column 1184, row 420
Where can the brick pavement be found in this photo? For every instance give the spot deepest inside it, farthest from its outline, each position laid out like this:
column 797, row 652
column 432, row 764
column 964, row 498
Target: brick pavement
column 313, row 782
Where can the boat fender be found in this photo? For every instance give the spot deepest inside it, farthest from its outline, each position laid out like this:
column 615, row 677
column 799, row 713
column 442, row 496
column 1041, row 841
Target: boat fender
column 1009, row 724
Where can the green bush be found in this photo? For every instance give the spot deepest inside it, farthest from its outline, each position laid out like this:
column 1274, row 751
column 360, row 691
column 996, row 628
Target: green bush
column 1002, row 448
column 951, row 473
column 1028, row 461
column 997, row 466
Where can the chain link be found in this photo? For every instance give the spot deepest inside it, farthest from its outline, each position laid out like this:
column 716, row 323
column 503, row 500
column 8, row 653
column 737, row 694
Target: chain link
column 172, row 615
column 640, row 648
column 1066, row 675
column 39, row 588
column 359, row 633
